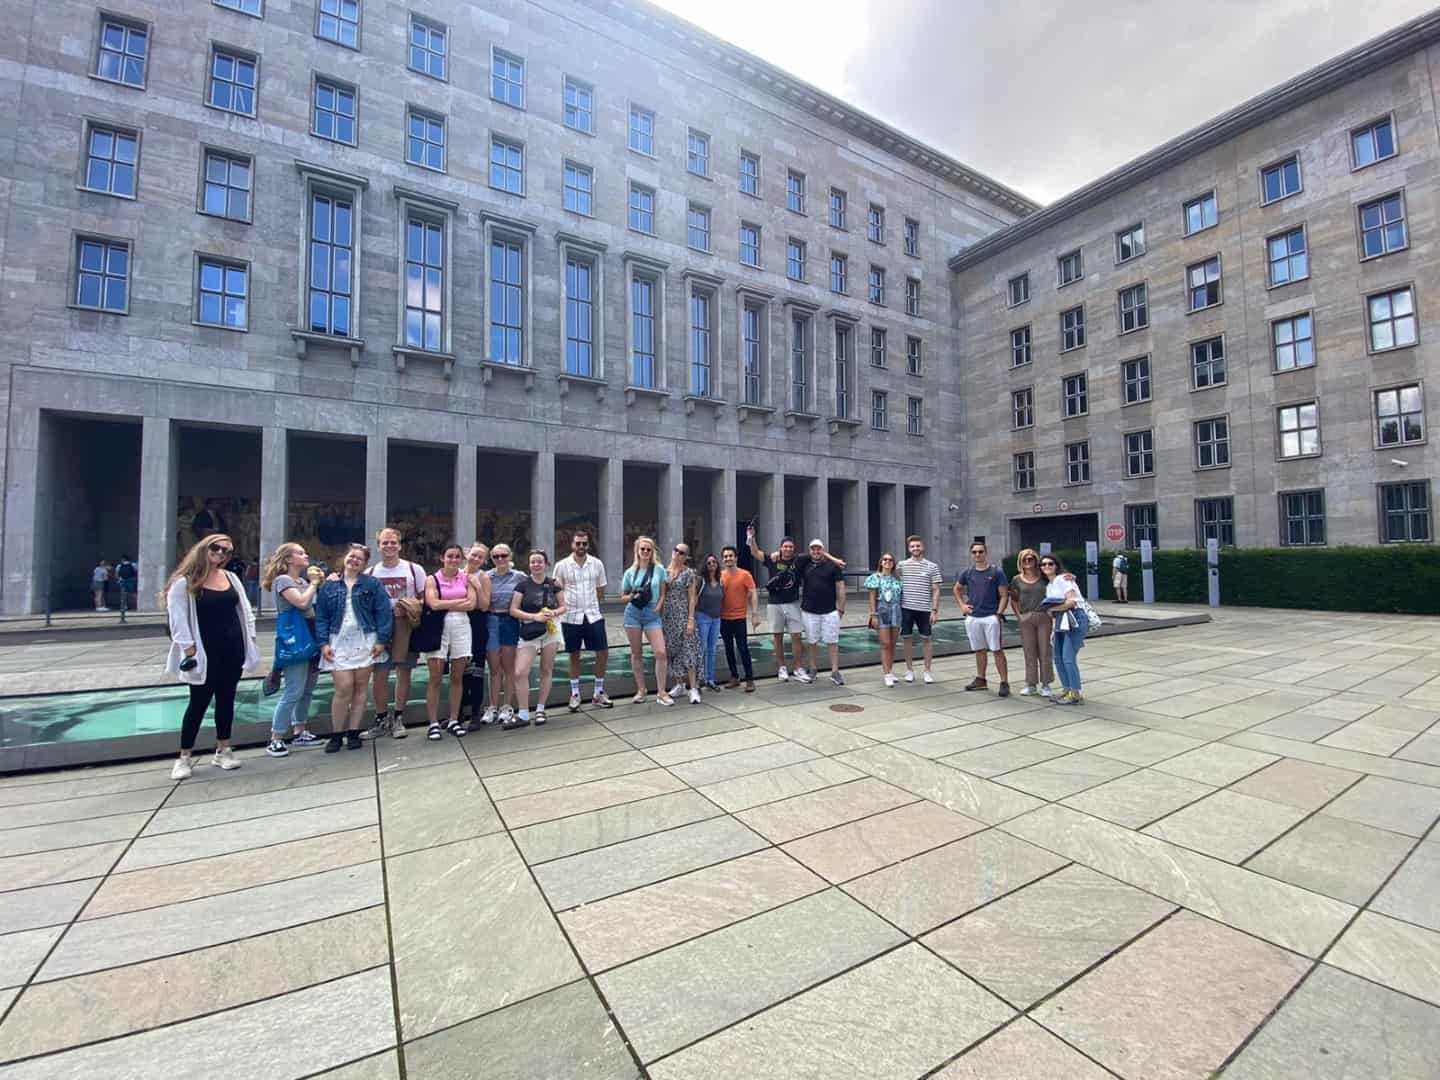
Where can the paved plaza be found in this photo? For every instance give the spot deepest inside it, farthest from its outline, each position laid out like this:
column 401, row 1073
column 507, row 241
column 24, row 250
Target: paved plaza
column 1223, row 863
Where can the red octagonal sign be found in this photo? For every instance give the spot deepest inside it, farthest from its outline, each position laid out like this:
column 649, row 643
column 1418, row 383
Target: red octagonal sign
column 1115, row 533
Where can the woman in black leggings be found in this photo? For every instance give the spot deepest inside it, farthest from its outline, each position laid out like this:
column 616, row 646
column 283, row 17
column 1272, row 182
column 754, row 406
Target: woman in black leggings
column 212, row 642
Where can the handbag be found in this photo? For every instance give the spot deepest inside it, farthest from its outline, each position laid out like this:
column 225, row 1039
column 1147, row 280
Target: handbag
column 1091, row 614
column 294, row 643
column 426, row 637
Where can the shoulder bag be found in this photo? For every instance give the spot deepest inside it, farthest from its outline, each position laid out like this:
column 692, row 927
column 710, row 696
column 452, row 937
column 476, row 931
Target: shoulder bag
column 426, row 636
column 294, row 643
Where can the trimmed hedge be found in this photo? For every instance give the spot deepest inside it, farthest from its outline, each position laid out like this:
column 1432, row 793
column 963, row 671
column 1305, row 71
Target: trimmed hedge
column 1400, row 578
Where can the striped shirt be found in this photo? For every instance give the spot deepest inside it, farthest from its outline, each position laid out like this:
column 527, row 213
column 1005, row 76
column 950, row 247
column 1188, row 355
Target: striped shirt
column 919, row 578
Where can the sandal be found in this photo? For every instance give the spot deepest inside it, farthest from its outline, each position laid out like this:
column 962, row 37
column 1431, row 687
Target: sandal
column 434, row 732
column 457, row 728
column 640, row 697
column 540, row 716
column 664, row 699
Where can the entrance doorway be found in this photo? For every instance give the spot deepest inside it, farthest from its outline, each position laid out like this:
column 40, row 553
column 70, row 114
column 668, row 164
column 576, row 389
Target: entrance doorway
column 1067, row 532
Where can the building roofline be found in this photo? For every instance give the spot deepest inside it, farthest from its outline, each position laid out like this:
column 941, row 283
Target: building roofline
column 678, row 33
column 1404, row 40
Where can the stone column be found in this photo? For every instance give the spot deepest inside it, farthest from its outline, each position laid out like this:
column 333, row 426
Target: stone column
column 274, row 491
column 377, row 469
column 771, row 526
column 722, row 512
column 817, row 513
column 610, row 544
column 857, row 527
column 159, row 489
column 892, row 519
column 931, row 528
column 465, row 495
column 672, row 510
column 542, row 502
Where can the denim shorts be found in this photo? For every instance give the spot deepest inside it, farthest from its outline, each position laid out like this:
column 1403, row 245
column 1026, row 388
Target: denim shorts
column 646, row 618
column 889, row 614
column 502, row 632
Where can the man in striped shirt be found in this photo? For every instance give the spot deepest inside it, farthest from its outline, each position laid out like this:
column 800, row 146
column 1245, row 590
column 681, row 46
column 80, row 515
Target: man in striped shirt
column 919, row 604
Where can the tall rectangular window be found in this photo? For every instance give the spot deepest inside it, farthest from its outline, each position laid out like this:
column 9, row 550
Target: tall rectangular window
column 1022, row 408
column 579, row 105
column 124, row 51
column 228, row 181
column 837, row 208
column 334, row 112
column 1392, row 319
column 425, row 284
column 843, row 370
column 1286, row 257
column 697, row 153
column 1140, row 454
column 1072, row 328
column 507, row 302
column 879, row 410
column 879, row 354
column 338, row 21
column 642, row 331
column 697, row 227
column 1130, row 243
column 642, row 209
column 839, row 274
column 1373, row 142
column 912, row 296
column 425, row 140
column 1019, row 289
column 332, row 264
column 914, row 416
column 112, row 156
column 1302, row 518
column 579, row 317
column 428, row 47
column 1069, row 267
column 753, row 349
column 1202, row 282
column 579, row 188
column 877, row 285
column 1212, row 443
column 913, row 359
column 1399, row 416
column 1405, row 512
column 912, row 237
column 1077, row 462
column 750, row 173
column 750, row 244
column 1020, row 346
column 1382, row 226
column 795, row 191
column 232, row 81
column 1280, row 181
column 1134, row 308
column 507, row 166
column 800, row 395
column 1135, row 379
column 1142, row 522
column 1298, row 428
column 1201, row 213
column 507, row 78
column 1075, row 395
column 1292, row 342
column 223, row 296
column 1023, row 468
column 795, row 259
column 701, row 360
column 875, row 224
column 102, row 275
column 642, row 130
column 1207, row 363
column 1215, row 520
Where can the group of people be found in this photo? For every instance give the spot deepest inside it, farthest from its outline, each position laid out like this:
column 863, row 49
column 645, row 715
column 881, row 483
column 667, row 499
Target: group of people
column 123, row 573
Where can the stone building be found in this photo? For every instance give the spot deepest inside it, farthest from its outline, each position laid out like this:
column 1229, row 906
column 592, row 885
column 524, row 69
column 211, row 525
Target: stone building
column 299, row 268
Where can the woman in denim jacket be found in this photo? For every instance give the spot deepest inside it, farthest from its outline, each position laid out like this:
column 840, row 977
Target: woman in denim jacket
column 353, row 624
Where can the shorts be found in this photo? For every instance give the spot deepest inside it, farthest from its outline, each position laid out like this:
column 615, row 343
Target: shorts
column 785, row 618
column 454, row 638
column 586, row 635
column 983, row 632
column 544, row 641
column 384, row 666
column 646, row 618
column 1118, row 579
column 503, row 632
column 821, row 629
column 914, row 622
column 888, row 614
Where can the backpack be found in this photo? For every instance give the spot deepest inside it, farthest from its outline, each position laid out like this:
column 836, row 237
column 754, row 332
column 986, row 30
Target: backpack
column 125, row 571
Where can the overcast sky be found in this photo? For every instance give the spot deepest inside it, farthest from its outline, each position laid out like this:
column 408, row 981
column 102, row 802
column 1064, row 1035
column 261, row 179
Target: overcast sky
column 1045, row 95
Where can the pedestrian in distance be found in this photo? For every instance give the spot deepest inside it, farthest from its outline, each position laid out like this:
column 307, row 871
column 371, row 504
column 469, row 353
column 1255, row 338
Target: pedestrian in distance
column 537, row 604
column 678, row 596
column 1066, row 606
column 582, row 575
column 354, row 625
column 1120, row 577
column 1027, row 600
column 919, row 605
column 502, row 636
column 640, row 589
column 404, row 583
column 127, row 576
column 449, row 590
column 709, row 604
column 741, row 599
column 294, row 583
column 886, row 589
column 982, row 592
column 99, row 583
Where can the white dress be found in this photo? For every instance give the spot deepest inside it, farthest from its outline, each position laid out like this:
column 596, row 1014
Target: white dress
column 351, row 644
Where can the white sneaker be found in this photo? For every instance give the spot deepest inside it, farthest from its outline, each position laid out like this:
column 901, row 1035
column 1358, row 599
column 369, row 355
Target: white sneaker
column 397, row 726
column 801, row 675
column 1028, row 691
column 927, row 678
column 890, row 680
column 677, row 689
column 783, row 674
column 1045, row 690
column 488, row 716
column 182, row 769
column 909, row 675
column 694, row 697
column 506, row 714
column 574, row 700
column 225, row 759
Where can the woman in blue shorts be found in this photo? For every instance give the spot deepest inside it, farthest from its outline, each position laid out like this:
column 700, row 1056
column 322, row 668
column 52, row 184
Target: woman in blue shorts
column 885, row 589
column 502, row 635
column 640, row 589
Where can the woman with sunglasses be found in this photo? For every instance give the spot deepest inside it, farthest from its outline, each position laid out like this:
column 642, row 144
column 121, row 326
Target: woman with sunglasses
column 709, row 603
column 1063, row 602
column 450, row 590
column 677, row 618
column 886, row 589
column 537, row 604
column 354, row 625
column 212, row 643
column 1027, row 597
column 502, row 634
column 640, row 589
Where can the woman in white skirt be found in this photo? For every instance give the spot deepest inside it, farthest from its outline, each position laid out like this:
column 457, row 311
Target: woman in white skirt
column 451, row 590
column 353, row 623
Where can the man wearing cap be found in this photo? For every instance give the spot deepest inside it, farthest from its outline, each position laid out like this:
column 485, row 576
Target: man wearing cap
column 822, row 606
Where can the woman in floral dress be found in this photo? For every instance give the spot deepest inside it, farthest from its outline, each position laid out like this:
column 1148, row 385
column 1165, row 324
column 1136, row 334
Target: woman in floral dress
column 677, row 621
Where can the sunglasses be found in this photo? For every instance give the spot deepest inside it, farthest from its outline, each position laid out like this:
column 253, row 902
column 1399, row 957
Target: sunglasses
column 579, row 543
column 499, row 555
column 220, row 549
column 681, row 551
column 1047, row 564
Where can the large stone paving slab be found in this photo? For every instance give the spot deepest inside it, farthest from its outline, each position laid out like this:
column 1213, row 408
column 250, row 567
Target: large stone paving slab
column 1393, row 953
column 1023, row 1050
column 847, row 851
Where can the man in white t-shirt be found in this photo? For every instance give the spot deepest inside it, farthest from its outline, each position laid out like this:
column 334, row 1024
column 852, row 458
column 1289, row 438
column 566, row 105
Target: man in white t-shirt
column 919, row 604
column 583, row 577
column 403, row 580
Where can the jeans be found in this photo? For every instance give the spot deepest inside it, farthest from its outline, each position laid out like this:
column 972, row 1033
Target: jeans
column 736, row 634
column 293, row 708
column 709, row 628
column 1067, row 652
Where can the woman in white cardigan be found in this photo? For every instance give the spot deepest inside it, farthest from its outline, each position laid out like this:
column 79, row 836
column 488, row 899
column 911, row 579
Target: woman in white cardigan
column 212, row 643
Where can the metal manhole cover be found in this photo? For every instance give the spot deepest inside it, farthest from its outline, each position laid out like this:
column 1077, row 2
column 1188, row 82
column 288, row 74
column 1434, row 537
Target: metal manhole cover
column 847, row 708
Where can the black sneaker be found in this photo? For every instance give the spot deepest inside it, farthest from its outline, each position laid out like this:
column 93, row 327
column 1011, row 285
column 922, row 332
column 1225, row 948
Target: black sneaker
column 277, row 748
column 352, row 740
column 1004, row 689
column 977, row 684
column 333, row 744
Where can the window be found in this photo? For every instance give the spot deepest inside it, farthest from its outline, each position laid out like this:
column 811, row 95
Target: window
column 579, row 106
column 331, row 284
column 913, row 358
column 507, row 78
column 124, row 51
column 697, row 153
column 1141, row 523
column 579, row 317
column 642, row 331
column 1130, row 243
column 227, row 185
column 750, row 244
column 1207, row 363
column 1020, row 346
column 232, row 82
column 878, row 348
column 1280, row 181
column 1299, row 429
column 912, row 237
column 912, row 296
column 507, row 166
column 1077, row 462
column 795, row 259
column 1201, row 213
column 843, row 360
column 1024, row 470
column 800, row 363
column 1202, row 281
column 427, row 47
column 1069, row 267
column 1212, row 443
column 223, row 295
column 507, row 302
column 749, row 173
column 1072, row 328
column 700, row 354
column 1302, row 518
column 1292, row 342
column 1286, row 257
column 877, row 285
column 1399, row 416
column 1022, row 408
column 1392, row 319
column 102, row 275
column 795, row 191
column 111, row 159
column 579, row 188
column 1215, row 520
column 697, row 227
column 839, row 273
column 1140, row 454
column 339, row 21
column 1405, row 512
column 875, row 224
column 1134, row 308
column 1373, row 142
column 879, row 406
column 837, row 208
column 425, row 142
column 914, row 416
column 642, row 209
column 1019, row 290
column 334, row 114
column 1075, row 395
column 752, row 319
column 1135, row 380
column 1382, row 226
column 248, row 7
column 642, row 130
column 425, row 284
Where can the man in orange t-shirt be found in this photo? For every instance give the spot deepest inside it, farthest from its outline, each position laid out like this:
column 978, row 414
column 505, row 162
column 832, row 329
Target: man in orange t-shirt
column 740, row 598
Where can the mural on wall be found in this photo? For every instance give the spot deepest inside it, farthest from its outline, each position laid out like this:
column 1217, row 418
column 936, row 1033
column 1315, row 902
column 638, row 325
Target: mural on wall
column 198, row 516
column 327, row 529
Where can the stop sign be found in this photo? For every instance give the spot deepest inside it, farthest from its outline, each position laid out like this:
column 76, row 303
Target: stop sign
column 1115, row 533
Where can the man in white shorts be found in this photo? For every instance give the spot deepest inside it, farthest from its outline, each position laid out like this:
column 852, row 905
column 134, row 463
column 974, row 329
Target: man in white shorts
column 822, row 605
column 402, row 580
column 982, row 592
column 783, row 592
